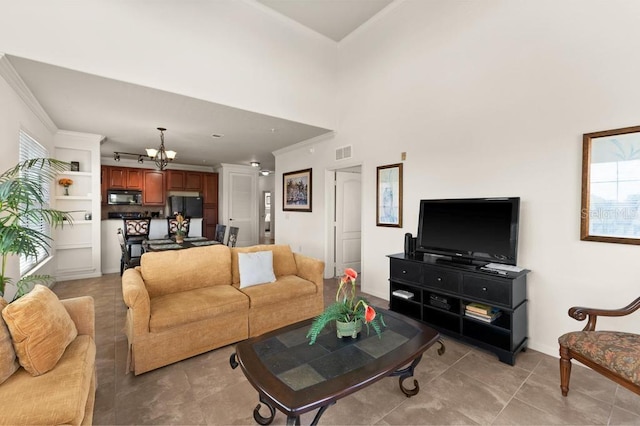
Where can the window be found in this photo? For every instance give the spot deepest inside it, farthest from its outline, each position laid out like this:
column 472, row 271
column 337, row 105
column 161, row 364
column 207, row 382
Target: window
column 29, row 149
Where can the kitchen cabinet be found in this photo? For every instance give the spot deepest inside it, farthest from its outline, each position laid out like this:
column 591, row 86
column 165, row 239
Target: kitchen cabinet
column 153, row 193
column 134, row 179
column 117, row 178
column 209, row 204
column 182, row 180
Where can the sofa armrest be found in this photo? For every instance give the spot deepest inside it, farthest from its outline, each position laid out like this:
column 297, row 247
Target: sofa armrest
column 136, row 297
column 82, row 312
column 311, row 269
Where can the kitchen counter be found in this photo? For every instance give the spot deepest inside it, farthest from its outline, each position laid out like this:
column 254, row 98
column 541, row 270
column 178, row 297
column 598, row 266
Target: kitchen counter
column 111, row 248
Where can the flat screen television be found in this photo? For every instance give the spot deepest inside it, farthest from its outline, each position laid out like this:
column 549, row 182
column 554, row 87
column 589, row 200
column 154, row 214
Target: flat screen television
column 473, row 231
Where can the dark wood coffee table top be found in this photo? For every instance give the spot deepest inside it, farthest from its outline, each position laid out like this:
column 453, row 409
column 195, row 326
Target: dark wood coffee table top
column 295, row 377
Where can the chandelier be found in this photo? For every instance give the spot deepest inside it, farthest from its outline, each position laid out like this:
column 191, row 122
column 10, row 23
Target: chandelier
column 161, row 156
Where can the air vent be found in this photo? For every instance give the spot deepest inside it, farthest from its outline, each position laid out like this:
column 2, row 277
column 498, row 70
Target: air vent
column 343, row 153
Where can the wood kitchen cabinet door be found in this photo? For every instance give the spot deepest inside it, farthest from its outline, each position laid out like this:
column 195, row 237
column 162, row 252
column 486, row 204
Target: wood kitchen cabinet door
column 210, row 204
column 117, row 178
column 104, row 183
column 153, row 193
column 193, row 181
column 134, row 179
column 175, row 180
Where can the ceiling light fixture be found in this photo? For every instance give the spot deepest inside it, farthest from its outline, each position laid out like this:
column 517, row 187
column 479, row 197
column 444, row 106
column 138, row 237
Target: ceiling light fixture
column 255, row 164
column 118, row 154
column 264, row 172
column 161, row 156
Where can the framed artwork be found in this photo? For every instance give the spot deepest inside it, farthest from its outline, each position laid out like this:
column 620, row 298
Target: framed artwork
column 296, row 191
column 389, row 196
column 75, row 166
column 611, row 186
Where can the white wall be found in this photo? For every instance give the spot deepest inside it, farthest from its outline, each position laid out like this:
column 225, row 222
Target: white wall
column 488, row 98
column 16, row 115
column 235, row 53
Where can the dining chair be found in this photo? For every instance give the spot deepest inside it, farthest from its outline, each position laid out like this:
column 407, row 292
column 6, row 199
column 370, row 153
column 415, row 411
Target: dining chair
column 135, row 232
column 219, row 235
column 233, row 236
column 172, row 226
column 126, row 260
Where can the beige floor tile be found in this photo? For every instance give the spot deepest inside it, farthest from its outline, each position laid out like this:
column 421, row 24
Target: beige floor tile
column 464, row 386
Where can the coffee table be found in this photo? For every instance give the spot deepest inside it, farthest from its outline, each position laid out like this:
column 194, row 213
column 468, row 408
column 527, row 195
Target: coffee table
column 294, row 377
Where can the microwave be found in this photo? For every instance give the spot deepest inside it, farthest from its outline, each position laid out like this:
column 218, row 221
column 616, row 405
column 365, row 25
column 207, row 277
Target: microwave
column 123, row 197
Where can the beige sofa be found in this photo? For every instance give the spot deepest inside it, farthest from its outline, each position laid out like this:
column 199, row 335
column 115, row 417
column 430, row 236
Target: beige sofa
column 186, row 302
column 66, row 393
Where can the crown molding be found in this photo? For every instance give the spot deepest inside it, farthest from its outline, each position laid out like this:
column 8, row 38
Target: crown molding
column 13, row 79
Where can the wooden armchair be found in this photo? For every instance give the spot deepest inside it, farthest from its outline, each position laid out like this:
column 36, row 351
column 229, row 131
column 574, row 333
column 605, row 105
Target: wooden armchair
column 614, row 354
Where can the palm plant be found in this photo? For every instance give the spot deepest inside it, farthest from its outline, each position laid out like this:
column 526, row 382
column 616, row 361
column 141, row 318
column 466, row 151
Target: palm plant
column 23, row 190
column 347, row 308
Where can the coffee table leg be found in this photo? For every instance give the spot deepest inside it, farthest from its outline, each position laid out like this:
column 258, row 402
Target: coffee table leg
column 266, row 420
column 404, row 374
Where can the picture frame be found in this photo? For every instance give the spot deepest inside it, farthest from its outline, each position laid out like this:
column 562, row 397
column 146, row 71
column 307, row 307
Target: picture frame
column 610, row 210
column 297, row 191
column 389, row 195
column 75, row 166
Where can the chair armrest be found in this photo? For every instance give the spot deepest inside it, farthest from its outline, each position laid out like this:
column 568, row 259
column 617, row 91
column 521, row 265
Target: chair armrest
column 311, row 269
column 581, row 313
column 82, row 312
column 136, row 297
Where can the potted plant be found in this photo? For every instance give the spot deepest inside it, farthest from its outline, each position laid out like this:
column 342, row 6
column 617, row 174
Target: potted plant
column 22, row 203
column 348, row 311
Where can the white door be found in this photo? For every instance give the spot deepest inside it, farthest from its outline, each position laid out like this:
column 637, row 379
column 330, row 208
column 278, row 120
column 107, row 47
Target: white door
column 348, row 224
column 243, row 211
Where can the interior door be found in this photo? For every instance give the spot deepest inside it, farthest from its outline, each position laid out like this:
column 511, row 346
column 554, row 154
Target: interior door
column 348, row 224
column 243, row 208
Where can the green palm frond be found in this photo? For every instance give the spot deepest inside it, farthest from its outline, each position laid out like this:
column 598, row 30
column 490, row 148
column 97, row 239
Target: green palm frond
column 23, row 193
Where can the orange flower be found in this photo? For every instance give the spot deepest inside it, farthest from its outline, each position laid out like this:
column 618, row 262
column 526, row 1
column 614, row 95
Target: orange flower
column 369, row 314
column 351, row 273
column 65, row 182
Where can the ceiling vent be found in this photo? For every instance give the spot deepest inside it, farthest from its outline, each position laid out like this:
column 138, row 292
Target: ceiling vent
column 343, row 153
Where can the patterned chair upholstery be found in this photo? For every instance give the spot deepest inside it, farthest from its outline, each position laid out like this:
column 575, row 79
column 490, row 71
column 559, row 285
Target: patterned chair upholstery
column 220, row 230
column 135, row 232
column 172, row 226
column 614, row 354
column 233, row 236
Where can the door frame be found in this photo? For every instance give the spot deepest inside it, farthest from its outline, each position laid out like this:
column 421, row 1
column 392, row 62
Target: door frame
column 330, row 206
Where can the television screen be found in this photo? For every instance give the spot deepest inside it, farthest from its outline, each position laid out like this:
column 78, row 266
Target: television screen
column 480, row 229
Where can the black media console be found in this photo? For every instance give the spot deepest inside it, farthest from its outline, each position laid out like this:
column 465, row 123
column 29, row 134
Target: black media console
column 438, row 295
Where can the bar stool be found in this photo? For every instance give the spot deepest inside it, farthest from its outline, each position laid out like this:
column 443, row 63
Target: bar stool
column 135, row 232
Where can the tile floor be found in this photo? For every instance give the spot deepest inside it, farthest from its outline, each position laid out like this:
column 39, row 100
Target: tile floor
column 465, row 386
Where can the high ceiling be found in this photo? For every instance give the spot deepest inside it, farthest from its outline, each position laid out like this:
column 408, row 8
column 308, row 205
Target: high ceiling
column 128, row 114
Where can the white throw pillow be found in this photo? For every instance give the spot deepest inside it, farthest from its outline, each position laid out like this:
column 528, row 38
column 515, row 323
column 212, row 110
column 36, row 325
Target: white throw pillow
column 256, row 268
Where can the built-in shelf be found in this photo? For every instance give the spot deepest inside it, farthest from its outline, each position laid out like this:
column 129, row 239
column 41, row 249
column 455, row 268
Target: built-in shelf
column 69, row 173
column 73, row 246
column 73, row 197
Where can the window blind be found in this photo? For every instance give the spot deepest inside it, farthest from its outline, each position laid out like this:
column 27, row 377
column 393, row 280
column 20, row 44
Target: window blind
column 29, row 149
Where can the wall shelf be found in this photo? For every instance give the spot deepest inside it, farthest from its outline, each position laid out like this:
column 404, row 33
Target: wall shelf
column 73, row 197
column 70, row 173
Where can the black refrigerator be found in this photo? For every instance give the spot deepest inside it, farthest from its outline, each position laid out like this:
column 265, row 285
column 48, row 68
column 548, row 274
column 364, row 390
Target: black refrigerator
column 188, row 206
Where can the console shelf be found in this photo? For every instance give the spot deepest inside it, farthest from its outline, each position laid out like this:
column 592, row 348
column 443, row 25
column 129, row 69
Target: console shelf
column 442, row 292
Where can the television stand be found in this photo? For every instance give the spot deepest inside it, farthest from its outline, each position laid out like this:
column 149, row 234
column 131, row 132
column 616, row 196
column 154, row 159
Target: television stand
column 459, row 263
column 438, row 293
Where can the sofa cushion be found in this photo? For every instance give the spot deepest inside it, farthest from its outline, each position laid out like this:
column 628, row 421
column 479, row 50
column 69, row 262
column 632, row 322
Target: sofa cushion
column 55, row 398
column 8, row 361
column 256, row 268
column 283, row 260
column 176, row 309
column 614, row 350
column 41, row 329
column 289, row 287
column 175, row 271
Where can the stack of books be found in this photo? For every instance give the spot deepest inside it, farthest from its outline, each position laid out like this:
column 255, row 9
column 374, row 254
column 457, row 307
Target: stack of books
column 482, row 312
